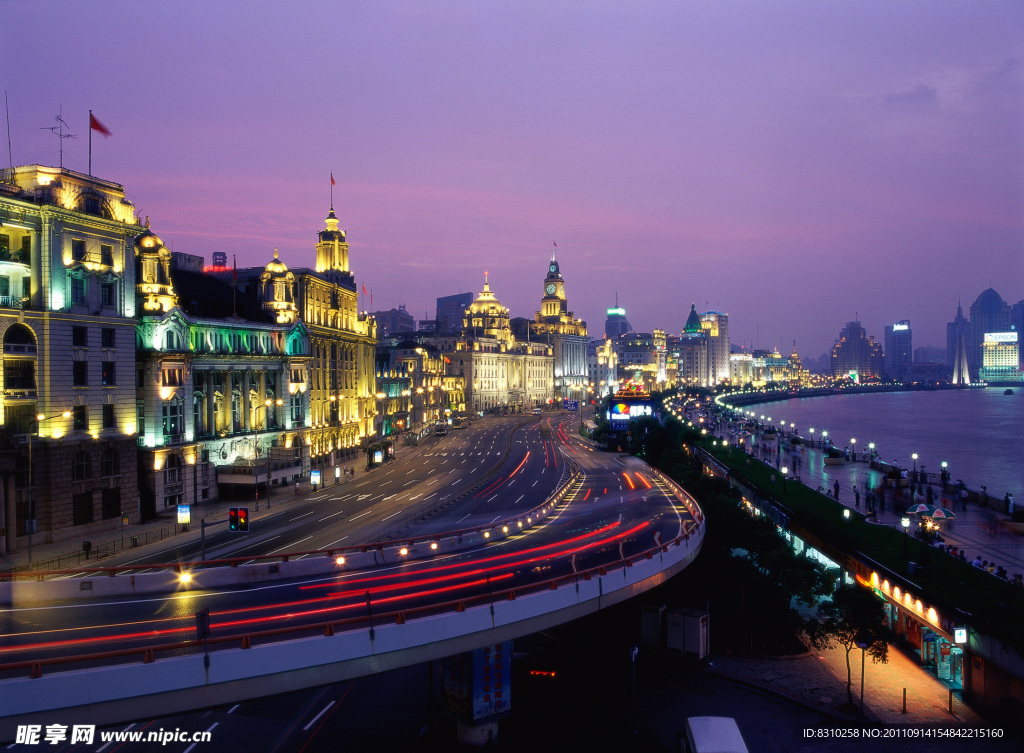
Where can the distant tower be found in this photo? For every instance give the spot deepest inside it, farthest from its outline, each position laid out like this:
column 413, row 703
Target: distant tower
column 961, row 374
column 332, row 249
column 616, row 325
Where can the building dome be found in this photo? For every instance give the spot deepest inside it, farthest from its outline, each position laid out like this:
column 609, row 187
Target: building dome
column 276, row 266
column 148, row 240
column 486, row 300
column 988, row 303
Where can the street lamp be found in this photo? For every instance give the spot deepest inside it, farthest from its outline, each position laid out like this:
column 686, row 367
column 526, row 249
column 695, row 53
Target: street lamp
column 30, row 522
column 853, row 448
column 905, row 522
column 785, row 470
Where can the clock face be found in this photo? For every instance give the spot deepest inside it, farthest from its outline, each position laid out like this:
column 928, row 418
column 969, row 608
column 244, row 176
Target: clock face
column 550, row 288
column 553, row 268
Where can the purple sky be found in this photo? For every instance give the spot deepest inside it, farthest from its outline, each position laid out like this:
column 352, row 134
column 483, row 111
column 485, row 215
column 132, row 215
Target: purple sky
column 792, row 164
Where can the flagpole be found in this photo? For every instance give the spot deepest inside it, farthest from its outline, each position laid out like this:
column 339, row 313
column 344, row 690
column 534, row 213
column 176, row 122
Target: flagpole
column 90, row 143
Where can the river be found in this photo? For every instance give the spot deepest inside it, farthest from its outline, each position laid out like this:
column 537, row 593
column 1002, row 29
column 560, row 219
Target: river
column 978, row 432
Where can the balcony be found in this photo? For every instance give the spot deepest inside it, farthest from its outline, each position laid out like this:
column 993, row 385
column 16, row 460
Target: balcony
column 13, row 302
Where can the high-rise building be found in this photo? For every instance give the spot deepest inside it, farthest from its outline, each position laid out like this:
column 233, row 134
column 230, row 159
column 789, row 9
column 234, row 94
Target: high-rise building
column 616, row 325
column 989, row 313
column 693, row 362
column 67, row 314
column 556, row 326
column 450, row 312
column 856, row 354
column 898, row 349
column 393, row 321
column 1000, row 357
column 716, row 325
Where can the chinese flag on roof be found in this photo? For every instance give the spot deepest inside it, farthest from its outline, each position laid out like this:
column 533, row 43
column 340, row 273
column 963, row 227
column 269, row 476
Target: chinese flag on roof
column 97, row 125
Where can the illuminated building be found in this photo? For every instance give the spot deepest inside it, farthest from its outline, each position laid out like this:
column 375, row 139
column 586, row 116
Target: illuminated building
column 499, row 371
column 616, row 325
column 1001, row 357
column 898, row 349
column 223, row 405
column 603, row 367
column 716, row 325
column 413, row 388
column 342, row 384
column 644, row 354
column 693, row 357
column 393, row 321
column 989, row 313
column 555, row 325
column 856, row 354
column 67, row 316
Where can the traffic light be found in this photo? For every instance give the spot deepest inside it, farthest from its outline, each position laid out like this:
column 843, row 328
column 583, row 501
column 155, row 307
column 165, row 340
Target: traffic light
column 233, row 519
column 243, row 519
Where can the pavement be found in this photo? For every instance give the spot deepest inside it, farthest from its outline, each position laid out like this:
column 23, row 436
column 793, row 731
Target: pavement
column 976, row 529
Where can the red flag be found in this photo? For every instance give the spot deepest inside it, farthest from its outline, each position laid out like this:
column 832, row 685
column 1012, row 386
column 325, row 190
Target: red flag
column 556, row 245
column 332, row 179
column 364, row 288
column 97, row 125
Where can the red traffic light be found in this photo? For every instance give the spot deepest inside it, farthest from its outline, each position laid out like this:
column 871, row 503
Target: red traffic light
column 243, row 519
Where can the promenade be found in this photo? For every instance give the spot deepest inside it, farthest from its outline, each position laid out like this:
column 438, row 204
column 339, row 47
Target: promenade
column 976, row 529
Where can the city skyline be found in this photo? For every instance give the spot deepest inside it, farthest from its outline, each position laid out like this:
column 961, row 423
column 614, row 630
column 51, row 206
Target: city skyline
column 797, row 167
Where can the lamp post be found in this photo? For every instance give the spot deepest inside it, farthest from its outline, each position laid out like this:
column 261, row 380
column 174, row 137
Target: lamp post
column 853, row 448
column 30, row 522
column 785, row 470
column 914, row 457
column 905, row 522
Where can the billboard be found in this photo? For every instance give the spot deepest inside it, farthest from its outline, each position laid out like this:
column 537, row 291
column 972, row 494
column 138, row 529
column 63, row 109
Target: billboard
column 1000, row 337
column 623, row 409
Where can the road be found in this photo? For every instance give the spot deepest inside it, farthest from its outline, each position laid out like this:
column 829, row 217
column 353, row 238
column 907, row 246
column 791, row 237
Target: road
column 614, row 510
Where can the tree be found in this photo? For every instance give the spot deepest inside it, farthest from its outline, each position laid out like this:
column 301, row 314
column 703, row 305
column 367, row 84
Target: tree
column 854, row 618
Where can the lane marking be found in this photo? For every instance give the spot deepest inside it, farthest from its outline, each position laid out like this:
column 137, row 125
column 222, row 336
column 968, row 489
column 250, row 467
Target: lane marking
column 322, row 712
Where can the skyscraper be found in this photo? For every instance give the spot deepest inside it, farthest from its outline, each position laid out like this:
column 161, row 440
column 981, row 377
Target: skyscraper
column 616, row 325
column 898, row 349
column 716, row 325
column 989, row 313
column 856, row 352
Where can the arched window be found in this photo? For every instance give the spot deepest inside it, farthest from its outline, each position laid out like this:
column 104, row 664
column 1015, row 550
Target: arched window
column 81, row 467
column 172, row 469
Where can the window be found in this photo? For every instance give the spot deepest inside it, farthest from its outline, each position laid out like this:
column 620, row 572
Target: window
column 5, row 285
column 106, row 255
column 80, row 418
column 110, row 464
column 298, row 416
column 173, row 341
column 172, row 419
column 111, row 503
column 108, row 377
column 109, row 416
column 5, row 246
column 78, row 250
column 172, row 470
column 79, row 336
column 26, row 287
column 171, row 501
column 107, row 337
column 81, row 467
column 106, row 294
column 77, row 290
column 26, row 249
column 82, row 508
column 80, row 373
column 171, row 377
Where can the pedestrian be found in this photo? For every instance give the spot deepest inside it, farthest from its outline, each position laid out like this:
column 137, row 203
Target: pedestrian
column 1009, row 504
column 983, row 497
column 856, row 496
column 835, row 491
column 977, row 561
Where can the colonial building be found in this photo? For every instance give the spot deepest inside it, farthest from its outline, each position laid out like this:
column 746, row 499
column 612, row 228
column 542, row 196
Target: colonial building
column 555, row 325
column 342, row 389
column 499, row 371
column 603, row 367
column 414, row 389
column 223, row 401
column 693, row 358
column 643, row 357
column 67, row 318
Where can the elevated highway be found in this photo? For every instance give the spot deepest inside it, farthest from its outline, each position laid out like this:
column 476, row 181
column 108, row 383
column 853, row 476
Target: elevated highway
column 609, row 530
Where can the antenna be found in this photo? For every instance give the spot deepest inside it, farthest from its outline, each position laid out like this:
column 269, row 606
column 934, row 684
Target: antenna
column 58, row 131
column 10, row 158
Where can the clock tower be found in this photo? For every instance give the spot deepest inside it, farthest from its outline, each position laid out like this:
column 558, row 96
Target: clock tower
column 555, row 325
column 553, row 303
